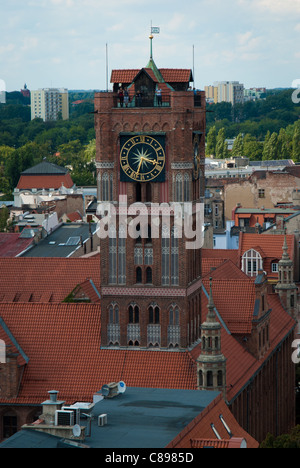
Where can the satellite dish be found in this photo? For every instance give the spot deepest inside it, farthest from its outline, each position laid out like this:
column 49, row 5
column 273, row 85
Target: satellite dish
column 105, row 390
column 76, row 430
column 121, row 387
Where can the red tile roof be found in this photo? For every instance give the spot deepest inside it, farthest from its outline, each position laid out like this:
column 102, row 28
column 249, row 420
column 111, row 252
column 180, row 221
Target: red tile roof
column 234, row 301
column 218, row 269
column 73, row 217
column 270, row 244
column 213, row 258
column 176, row 75
column 170, row 75
column 62, row 342
column 199, row 433
column 12, row 244
column 28, row 182
column 123, row 76
column 45, row 279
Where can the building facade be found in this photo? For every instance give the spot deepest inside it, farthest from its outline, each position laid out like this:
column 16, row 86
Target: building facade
column 150, row 152
column 50, row 104
column 225, row 91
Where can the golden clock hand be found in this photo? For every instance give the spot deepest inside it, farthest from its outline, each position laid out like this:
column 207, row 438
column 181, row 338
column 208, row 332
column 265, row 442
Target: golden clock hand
column 149, row 160
column 138, row 170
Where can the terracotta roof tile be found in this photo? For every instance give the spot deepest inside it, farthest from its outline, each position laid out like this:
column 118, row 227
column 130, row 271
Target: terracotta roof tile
column 270, row 244
column 176, row 75
column 12, row 244
column 28, row 182
column 123, row 76
column 170, row 75
column 199, row 432
column 68, row 357
column 42, row 279
column 73, row 217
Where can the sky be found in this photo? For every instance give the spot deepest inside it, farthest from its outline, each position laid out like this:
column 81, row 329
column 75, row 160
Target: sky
column 76, row 43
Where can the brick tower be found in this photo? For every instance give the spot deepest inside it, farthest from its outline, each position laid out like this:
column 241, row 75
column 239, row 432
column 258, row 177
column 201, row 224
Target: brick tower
column 286, row 287
column 150, row 151
column 211, row 364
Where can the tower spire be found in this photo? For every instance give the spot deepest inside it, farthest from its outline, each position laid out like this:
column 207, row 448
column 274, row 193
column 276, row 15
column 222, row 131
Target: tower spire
column 211, row 316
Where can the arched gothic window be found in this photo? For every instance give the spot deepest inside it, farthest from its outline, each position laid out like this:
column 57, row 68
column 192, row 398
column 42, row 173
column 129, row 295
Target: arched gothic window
column 133, row 314
column 252, row 262
column 174, row 315
column 113, row 316
column 154, row 314
column 209, row 379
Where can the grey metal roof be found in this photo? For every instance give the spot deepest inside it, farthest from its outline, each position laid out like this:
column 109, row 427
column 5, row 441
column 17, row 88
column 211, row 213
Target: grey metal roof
column 138, row 418
column 30, row 439
column 146, row 417
column 63, row 241
column 45, row 168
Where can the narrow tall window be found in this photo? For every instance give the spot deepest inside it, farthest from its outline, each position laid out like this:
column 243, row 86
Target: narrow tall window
column 105, row 187
column 122, row 256
column 112, row 256
column 133, row 314
column 165, row 258
column 174, row 257
column 178, row 188
column 149, row 275
column 138, row 192
column 139, row 275
column 148, row 192
column 209, row 379
column 186, row 187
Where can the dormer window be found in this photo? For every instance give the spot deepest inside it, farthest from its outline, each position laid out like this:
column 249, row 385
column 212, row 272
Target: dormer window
column 252, row 262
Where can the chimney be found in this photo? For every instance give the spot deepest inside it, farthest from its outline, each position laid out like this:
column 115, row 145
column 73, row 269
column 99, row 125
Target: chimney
column 50, row 406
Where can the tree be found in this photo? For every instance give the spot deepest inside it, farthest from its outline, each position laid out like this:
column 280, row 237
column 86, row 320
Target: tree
column 291, row 440
column 237, row 148
column 90, row 152
column 221, row 145
column 296, row 145
column 211, row 142
column 270, row 147
column 252, row 148
column 284, row 150
column 4, row 217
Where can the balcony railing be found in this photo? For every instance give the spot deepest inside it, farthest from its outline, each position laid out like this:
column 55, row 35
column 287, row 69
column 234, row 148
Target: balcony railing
column 151, row 101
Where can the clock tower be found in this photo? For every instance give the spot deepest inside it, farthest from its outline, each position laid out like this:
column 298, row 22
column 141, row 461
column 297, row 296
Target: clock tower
column 150, row 159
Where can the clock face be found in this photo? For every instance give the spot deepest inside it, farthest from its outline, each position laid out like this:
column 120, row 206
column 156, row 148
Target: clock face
column 142, row 159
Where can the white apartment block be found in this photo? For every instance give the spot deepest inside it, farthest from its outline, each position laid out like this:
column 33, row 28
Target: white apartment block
column 2, row 92
column 228, row 91
column 49, row 104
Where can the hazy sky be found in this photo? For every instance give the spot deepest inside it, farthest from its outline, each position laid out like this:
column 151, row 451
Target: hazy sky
column 62, row 43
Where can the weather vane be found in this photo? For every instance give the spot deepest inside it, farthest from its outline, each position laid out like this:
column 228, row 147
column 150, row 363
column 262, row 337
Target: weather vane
column 153, row 30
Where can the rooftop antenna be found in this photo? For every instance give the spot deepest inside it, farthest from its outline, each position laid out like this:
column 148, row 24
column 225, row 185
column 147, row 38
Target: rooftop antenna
column 106, row 68
column 194, row 65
